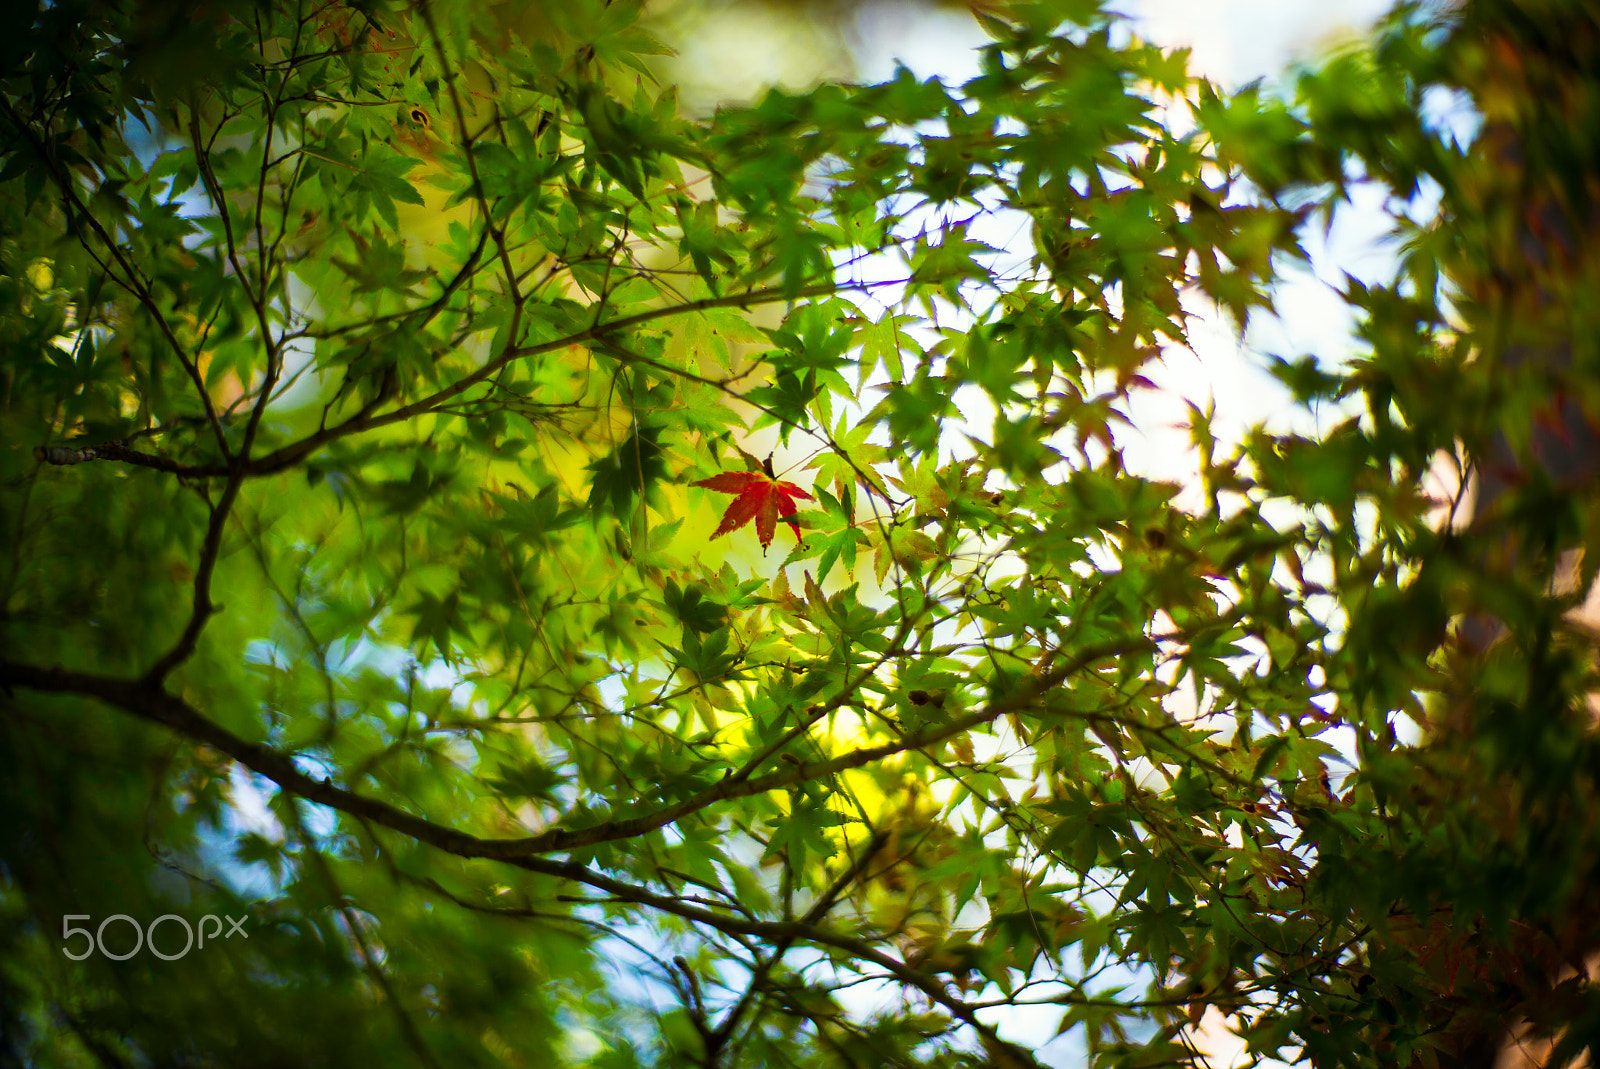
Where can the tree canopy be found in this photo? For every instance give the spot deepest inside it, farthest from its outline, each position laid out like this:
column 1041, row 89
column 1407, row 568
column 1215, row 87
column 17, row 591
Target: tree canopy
column 574, row 581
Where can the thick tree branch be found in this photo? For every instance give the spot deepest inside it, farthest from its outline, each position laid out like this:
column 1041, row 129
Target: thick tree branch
column 60, row 454
column 202, row 606
column 159, row 707
column 149, row 702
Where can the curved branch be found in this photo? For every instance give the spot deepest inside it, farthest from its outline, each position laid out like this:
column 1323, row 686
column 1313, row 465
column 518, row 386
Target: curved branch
column 172, row 712
column 157, row 706
column 292, row 454
column 151, row 703
column 288, row 456
column 61, row 454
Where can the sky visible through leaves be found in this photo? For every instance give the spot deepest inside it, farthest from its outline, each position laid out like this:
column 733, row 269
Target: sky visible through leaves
column 893, row 569
column 1230, row 46
column 1233, row 41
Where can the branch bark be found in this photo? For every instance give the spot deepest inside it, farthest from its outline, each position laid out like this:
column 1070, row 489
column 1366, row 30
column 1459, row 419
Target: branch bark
column 156, row 706
column 150, row 702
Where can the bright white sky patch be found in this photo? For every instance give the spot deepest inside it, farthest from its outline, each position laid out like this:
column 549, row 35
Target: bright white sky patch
column 1237, row 41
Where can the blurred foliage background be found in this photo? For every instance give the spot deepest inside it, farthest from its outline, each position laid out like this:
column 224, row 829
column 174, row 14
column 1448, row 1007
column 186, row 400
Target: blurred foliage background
column 364, row 371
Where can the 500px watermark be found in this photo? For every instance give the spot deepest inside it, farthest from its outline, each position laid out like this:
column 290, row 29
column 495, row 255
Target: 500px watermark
column 146, row 937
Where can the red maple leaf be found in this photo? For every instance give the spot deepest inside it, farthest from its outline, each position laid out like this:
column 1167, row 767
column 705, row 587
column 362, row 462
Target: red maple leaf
column 761, row 497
